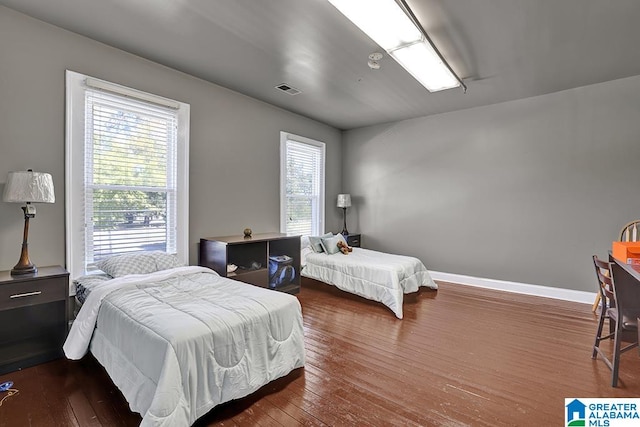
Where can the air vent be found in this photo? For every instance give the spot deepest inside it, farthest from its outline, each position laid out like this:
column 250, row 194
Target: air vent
column 288, row 89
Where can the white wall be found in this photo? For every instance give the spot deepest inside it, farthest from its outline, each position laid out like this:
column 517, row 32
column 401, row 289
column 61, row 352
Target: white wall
column 523, row 191
column 234, row 174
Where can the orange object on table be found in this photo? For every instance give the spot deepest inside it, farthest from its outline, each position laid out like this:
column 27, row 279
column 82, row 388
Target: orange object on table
column 627, row 252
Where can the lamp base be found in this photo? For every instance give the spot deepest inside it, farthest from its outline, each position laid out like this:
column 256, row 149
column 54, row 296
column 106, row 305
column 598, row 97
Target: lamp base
column 24, row 265
column 344, row 231
column 23, row 269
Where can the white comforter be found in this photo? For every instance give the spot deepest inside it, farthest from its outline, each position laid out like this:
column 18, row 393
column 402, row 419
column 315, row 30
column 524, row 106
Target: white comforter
column 377, row 276
column 179, row 342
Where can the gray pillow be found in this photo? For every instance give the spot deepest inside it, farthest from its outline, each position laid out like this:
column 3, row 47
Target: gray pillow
column 316, row 242
column 165, row 261
column 137, row 263
column 330, row 244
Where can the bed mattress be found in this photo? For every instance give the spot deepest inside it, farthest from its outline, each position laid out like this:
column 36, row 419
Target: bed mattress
column 179, row 342
column 374, row 275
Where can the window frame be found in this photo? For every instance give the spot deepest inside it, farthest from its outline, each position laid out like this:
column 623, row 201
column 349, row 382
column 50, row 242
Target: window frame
column 76, row 84
column 284, row 138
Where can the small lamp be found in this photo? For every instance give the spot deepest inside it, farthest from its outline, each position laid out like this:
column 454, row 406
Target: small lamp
column 344, row 202
column 28, row 187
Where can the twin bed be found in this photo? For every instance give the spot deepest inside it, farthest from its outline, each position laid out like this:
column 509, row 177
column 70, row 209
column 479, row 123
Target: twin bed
column 374, row 275
column 179, row 340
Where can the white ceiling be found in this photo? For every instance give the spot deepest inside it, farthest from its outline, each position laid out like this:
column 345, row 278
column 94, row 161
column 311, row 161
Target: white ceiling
column 503, row 49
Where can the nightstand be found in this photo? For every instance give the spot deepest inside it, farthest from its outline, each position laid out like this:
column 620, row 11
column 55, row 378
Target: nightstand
column 353, row 240
column 33, row 317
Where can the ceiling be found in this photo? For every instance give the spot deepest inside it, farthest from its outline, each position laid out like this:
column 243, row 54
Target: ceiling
column 502, row 49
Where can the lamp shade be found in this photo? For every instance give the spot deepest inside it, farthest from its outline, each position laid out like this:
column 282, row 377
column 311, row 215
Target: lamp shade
column 29, row 186
column 344, row 200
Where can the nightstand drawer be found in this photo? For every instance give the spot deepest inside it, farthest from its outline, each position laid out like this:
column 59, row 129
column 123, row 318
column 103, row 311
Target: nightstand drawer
column 353, row 240
column 41, row 291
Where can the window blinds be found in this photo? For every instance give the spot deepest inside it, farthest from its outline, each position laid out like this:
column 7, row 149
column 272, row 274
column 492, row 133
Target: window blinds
column 130, row 175
column 304, row 188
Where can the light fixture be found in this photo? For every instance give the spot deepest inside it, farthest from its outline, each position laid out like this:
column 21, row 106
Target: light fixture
column 28, row 187
column 344, row 202
column 393, row 26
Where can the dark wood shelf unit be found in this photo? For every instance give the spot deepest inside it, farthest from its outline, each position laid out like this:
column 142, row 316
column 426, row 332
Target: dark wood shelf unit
column 251, row 255
column 33, row 317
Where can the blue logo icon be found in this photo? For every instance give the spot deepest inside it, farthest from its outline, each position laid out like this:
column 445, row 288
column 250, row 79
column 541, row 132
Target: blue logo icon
column 576, row 413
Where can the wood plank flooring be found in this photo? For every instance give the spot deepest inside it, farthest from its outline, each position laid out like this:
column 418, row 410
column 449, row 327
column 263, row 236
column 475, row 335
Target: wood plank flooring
column 462, row 356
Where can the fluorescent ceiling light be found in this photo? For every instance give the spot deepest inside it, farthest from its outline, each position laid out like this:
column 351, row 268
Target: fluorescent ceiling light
column 382, row 20
column 387, row 24
column 424, row 64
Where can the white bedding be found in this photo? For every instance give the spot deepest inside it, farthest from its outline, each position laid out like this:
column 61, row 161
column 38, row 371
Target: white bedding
column 377, row 276
column 179, row 342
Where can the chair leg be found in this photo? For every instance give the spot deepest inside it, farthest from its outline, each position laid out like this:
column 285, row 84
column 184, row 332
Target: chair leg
column 594, row 307
column 596, row 344
column 616, row 356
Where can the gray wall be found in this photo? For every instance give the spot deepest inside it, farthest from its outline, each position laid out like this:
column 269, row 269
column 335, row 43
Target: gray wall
column 523, row 191
column 235, row 140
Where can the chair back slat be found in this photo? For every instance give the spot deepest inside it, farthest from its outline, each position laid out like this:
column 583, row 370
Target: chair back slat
column 629, row 232
column 627, row 292
column 606, row 285
column 605, row 281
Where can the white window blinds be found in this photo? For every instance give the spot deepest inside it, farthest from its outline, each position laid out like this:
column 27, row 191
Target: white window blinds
column 126, row 173
column 130, row 175
column 302, row 186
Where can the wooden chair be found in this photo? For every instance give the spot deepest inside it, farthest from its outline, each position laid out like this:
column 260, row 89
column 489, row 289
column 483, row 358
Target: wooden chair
column 620, row 304
column 629, row 232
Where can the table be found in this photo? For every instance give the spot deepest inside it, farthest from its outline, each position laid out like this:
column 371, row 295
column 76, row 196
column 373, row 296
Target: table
column 633, row 270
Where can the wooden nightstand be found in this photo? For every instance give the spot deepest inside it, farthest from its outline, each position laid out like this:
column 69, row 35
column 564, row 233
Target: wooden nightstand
column 33, row 317
column 353, row 240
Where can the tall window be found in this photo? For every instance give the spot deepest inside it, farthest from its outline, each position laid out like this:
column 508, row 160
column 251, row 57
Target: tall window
column 127, row 161
column 301, row 185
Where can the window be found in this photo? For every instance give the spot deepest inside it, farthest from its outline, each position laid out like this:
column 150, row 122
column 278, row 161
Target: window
column 126, row 173
column 301, row 185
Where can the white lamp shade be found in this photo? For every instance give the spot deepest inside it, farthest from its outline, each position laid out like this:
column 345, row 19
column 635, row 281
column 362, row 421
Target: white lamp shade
column 344, row 200
column 29, row 186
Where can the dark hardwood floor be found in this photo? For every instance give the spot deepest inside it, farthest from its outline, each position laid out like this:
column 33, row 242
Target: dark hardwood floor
column 461, row 356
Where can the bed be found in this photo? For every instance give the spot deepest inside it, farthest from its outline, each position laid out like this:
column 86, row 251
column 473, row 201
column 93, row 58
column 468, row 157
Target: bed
column 179, row 341
column 374, row 275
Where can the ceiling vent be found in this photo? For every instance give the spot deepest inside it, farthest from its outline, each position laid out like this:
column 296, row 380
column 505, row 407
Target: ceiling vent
column 288, row 89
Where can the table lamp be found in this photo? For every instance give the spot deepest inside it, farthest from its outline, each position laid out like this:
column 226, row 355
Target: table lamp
column 344, row 202
column 28, row 187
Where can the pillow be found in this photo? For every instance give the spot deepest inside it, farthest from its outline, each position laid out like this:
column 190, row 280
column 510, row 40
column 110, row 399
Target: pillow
column 316, row 242
column 137, row 263
column 165, row 261
column 343, row 239
column 330, row 244
column 304, row 252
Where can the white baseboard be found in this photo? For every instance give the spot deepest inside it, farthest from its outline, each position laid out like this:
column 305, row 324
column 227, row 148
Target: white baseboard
column 519, row 288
